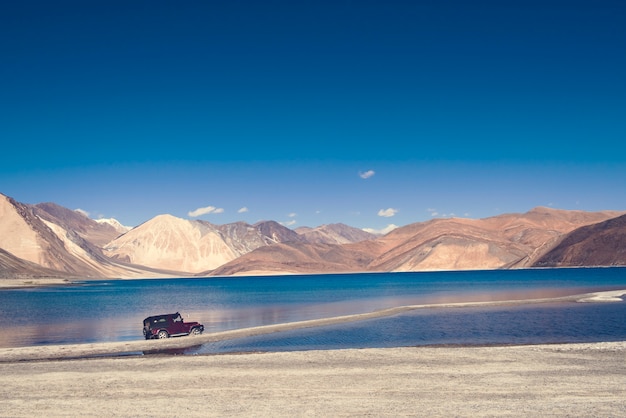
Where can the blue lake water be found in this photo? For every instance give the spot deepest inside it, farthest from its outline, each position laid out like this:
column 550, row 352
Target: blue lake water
column 99, row 311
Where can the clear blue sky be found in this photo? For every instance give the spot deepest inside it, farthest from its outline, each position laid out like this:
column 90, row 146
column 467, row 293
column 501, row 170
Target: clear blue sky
column 130, row 109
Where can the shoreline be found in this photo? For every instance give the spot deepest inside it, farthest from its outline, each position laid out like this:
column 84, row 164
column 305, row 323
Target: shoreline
column 34, row 282
column 28, row 281
column 120, row 348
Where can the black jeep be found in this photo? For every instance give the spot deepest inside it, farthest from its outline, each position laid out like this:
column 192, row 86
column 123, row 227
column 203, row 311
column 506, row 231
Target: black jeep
column 169, row 325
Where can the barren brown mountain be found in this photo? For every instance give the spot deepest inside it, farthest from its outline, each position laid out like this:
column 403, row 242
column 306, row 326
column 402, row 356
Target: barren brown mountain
column 56, row 241
column 168, row 242
column 505, row 241
column 334, row 234
column 511, row 240
column 297, row 258
column 71, row 220
column 25, row 235
column 601, row 244
column 12, row 267
column 47, row 238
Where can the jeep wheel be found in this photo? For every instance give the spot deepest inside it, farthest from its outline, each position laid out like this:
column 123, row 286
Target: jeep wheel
column 163, row 334
column 196, row 331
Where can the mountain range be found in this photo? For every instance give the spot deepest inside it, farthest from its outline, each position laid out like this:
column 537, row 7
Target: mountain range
column 48, row 240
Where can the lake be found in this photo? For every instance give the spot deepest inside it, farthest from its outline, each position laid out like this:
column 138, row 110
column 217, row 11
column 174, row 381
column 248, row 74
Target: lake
column 113, row 310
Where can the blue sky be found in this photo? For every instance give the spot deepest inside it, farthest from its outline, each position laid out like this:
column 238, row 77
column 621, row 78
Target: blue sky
column 278, row 109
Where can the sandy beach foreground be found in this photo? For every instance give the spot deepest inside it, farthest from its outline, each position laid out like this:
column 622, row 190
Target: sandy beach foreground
column 547, row 380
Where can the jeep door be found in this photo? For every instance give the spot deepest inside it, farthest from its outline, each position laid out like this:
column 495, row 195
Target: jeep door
column 176, row 327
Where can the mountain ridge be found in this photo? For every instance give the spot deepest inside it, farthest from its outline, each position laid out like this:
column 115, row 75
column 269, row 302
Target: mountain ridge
column 68, row 243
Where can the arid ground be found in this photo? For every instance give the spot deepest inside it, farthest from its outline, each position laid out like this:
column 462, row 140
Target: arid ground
column 548, row 380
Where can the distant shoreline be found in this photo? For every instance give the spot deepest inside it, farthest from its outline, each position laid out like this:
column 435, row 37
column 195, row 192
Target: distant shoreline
column 28, row 281
column 33, row 282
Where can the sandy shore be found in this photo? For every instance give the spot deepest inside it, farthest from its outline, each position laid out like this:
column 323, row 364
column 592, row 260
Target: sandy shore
column 541, row 380
column 16, row 283
column 548, row 380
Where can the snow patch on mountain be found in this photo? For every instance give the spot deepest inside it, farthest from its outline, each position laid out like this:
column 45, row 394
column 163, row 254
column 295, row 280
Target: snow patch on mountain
column 122, row 229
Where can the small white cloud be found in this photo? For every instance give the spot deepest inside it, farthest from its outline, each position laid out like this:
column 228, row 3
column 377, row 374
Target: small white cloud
column 435, row 214
column 204, row 211
column 289, row 223
column 292, row 215
column 243, row 210
column 383, row 231
column 82, row 212
column 366, row 174
column 387, row 213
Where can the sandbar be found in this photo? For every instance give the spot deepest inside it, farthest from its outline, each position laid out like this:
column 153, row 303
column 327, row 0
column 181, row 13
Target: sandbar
column 74, row 351
column 533, row 380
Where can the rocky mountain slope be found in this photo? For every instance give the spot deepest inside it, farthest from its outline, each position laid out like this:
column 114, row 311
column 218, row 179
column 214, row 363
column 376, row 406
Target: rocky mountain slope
column 334, row 234
column 506, row 241
column 18, row 268
column 510, row 240
column 297, row 258
column 167, row 242
column 45, row 239
column 91, row 231
column 600, row 244
column 57, row 239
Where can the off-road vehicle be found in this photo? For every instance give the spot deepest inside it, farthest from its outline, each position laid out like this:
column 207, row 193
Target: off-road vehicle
column 169, row 325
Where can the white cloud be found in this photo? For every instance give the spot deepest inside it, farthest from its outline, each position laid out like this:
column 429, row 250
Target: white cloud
column 289, row 223
column 366, row 174
column 292, row 215
column 435, row 214
column 204, row 211
column 383, row 231
column 243, row 210
column 387, row 213
column 82, row 212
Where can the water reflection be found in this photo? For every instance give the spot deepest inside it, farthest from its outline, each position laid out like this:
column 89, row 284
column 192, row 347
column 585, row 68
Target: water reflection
column 114, row 310
column 495, row 325
column 83, row 331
